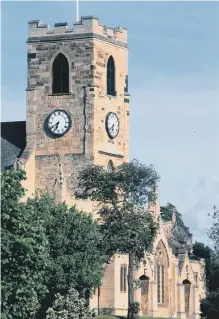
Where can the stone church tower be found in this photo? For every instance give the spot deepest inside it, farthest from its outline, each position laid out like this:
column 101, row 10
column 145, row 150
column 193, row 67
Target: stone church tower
column 77, row 102
column 77, row 115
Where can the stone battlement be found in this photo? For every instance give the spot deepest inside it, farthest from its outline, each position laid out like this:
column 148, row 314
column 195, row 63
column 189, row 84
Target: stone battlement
column 87, row 25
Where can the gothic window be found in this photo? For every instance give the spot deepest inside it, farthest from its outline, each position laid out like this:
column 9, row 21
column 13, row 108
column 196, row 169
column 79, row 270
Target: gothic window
column 110, row 167
column 123, row 278
column 111, row 76
column 161, row 261
column 162, row 282
column 60, row 75
column 158, row 283
column 126, row 84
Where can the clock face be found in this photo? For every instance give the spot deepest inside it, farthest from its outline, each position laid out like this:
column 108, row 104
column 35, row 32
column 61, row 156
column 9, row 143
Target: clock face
column 112, row 124
column 58, row 123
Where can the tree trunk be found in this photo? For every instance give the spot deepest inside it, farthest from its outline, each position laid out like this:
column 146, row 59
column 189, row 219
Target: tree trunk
column 131, row 314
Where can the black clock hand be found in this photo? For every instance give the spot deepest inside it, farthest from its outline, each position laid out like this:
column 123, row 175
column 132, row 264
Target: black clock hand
column 55, row 125
column 111, row 127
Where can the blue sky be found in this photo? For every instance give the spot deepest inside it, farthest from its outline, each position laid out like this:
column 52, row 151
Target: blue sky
column 173, row 82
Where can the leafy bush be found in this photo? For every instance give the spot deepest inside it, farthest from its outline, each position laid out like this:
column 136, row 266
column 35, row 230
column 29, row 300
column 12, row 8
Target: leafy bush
column 134, row 308
column 209, row 306
column 24, row 248
column 69, row 306
column 106, row 311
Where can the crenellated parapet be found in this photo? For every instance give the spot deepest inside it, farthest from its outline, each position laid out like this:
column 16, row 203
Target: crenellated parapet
column 87, row 26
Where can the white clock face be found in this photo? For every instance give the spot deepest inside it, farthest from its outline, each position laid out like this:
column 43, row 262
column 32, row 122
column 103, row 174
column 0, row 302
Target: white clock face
column 112, row 124
column 59, row 122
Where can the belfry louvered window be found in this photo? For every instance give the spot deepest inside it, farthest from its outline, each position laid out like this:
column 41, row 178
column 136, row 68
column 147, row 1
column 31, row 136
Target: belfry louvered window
column 123, row 278
column 111, row 77
column 60, row 75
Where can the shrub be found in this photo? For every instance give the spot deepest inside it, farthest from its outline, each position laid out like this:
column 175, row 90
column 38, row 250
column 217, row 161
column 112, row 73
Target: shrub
column 69, row 306
column 134, row 308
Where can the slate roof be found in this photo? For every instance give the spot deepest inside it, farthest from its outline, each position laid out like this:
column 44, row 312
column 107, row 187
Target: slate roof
column 13, row 142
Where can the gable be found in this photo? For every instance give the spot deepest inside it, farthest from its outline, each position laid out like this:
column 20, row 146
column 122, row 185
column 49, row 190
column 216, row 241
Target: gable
column 186, row 270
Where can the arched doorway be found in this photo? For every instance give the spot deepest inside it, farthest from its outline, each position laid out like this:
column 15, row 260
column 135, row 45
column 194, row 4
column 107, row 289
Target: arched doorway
column 187, row 292
column 144, row 293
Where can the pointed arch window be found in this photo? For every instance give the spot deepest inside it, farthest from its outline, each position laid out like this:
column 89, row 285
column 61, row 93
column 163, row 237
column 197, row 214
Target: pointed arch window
column 110, row 166
column 161, row 269
column 60, row 75
column 111, row 77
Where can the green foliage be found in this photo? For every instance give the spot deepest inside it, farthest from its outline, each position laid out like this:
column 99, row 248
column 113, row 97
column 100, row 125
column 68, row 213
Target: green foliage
column 106, row 311
column 126, row 225
column 167, row 213
column 75, row 254
column 46, row 249
column 24, row 251
column 127, row 230
column 214, row 230
column 203, row 251
column 69, row 306
column 134, row 308
column 210, row 305
column 129, row 183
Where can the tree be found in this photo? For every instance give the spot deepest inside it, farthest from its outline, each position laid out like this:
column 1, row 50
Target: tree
column 213, row 232
column 210, row 304
column 201, row 250
column 46, row 249
column 167, row 213
column 69, row 306
column 126, row 225
column 76, row 251
column 24, row 248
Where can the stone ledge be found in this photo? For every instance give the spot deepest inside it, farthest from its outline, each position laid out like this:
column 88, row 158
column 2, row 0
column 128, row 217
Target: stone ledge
column 69, row 36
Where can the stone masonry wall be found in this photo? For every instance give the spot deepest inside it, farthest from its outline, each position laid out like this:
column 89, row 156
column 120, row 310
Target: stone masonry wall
column 79, row 46
column 103, row 103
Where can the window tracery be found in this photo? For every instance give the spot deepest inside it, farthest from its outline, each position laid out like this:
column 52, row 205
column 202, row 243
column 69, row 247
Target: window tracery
column 161, row 273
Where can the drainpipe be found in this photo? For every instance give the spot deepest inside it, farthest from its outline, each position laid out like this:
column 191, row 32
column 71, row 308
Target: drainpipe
column 84, row 115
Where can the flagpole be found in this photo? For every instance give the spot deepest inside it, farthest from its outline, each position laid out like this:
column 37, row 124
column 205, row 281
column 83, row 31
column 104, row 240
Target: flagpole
column 77, row 11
